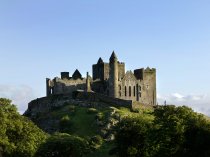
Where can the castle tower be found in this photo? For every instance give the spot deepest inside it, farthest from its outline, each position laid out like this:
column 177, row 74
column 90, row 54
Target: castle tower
column 113, row 76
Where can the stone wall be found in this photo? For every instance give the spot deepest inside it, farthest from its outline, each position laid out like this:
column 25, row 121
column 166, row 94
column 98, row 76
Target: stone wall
column 62, row 86
column 46, row 104
column 121, row 70
column 148, row 94
column 96, row 97
column 100, row 71
column 128, row 87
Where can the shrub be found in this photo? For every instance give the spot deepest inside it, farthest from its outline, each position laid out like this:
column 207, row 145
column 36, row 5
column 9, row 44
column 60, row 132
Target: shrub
column 96, row 141
column 92, row 111
column 64, row 122
column 135, row 110
column 100, row 116
column 65, row 118
column 63, row 145
column 71, row 108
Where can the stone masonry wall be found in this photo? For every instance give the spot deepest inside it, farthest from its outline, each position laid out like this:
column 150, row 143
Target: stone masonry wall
column 46, row 104
column 149, row 87
column 96, row 97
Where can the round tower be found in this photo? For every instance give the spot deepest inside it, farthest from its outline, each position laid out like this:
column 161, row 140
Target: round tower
column 113, row 76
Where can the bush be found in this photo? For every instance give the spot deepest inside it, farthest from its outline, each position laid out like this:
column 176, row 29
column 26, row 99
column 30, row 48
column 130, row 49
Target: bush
column 71, row 108
column 100, row 116
column 65, row 118
column 92, row 111
column 96, row 141
column 64, row 123
column 131, row 137
column 63, row 145
column 135, row 110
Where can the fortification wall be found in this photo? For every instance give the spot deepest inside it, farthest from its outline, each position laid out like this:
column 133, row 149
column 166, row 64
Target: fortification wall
column 96, row 97
column 88, row 99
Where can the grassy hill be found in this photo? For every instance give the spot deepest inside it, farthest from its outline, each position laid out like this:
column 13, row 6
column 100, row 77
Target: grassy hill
column 88, row 122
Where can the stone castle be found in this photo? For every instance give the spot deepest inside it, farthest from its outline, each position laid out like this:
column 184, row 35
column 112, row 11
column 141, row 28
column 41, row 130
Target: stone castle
column 109, row 79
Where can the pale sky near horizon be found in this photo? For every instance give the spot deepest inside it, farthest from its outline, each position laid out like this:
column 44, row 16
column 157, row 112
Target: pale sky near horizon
column 39, row 39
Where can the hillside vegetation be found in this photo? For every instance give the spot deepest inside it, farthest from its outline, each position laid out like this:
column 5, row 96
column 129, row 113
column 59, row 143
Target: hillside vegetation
column 18, row 135
column 95, row 124
column 105, row 131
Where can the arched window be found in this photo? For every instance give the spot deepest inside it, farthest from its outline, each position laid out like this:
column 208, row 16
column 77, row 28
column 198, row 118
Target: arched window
column 139, row 91
column 130, row 91
column 134, row 91
column 125, row 91
column 119, row 90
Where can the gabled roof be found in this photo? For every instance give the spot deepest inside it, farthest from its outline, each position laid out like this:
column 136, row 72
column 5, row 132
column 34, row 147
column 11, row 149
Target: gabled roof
column 100, row 61
column 129, row 76
column 77, row 74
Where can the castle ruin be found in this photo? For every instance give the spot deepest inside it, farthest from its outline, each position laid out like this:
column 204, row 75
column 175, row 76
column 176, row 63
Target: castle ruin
column 109, row 79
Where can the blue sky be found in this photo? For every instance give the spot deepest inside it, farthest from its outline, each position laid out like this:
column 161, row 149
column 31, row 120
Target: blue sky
column 39, row 39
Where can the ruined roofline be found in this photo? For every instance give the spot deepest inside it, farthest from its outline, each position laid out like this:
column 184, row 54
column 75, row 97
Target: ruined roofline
column 148, row 69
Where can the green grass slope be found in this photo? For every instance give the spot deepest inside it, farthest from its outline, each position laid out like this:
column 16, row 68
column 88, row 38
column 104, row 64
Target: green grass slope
column 88, row 122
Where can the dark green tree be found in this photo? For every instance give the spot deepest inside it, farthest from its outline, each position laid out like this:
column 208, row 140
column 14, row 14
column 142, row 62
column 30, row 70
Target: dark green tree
column 180, row 132
column 63, row 145
column 174, row 132
column 19, row 137
column 132, row 137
